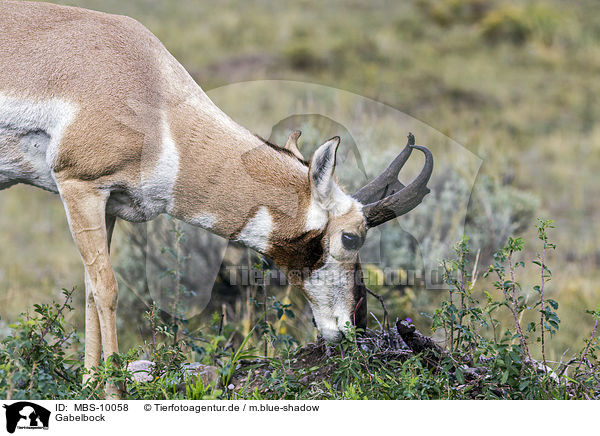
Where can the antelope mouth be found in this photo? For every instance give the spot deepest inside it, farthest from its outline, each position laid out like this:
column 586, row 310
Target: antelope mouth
column 333, row 336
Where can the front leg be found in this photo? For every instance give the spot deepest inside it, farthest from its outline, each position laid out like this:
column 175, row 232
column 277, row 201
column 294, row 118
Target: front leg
column 93, row 338
column 86, row 206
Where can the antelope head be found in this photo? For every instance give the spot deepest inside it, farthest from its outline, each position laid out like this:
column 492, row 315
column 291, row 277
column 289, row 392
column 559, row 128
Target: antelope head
column 323, row 258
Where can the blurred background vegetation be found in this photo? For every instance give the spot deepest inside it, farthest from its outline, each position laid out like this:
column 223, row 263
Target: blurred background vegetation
column 514, row 82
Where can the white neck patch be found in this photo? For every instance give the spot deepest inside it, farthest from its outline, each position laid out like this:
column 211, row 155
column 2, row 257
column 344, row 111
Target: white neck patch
column 159, row 184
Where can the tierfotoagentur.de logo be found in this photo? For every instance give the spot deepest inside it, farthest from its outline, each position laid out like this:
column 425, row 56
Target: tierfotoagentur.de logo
column 25, row 415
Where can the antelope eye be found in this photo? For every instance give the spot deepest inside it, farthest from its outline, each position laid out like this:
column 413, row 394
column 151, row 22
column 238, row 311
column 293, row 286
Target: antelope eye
column 351, row 241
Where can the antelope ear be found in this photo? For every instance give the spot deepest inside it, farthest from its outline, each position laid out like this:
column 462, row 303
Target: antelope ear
column 321, row 169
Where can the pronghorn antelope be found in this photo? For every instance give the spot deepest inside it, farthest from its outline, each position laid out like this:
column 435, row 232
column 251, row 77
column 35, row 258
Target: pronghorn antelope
column 94, row 108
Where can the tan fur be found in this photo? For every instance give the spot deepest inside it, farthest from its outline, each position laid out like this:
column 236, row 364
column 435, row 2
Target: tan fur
column 248, row 174
column 128, row 91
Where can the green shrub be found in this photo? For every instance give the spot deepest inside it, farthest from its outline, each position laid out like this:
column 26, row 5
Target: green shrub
column 40, row 358
column 451, row 12
column 507, row 23
column 353, row 50
column 301, row 55
column 545, row 22
column 501, row 364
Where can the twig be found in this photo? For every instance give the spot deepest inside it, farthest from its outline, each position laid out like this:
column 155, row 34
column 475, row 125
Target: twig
column 587, row 347
column 11, row 386
column 463, row 292
column 542, row 305
column 177, row 272
column 475, row 266
column 355, row 308
column 64, row 339
column 385, row 311
column 50, row 323
column 265, row 310
column 493, row 327
column 35, row 364
column 221, row 321
column 375, row 318
column 451, row 282
column 524, row 348
column 132, row 289
column 471, row 287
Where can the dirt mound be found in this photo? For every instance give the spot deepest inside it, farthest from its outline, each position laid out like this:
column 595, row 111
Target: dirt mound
column 315, row 362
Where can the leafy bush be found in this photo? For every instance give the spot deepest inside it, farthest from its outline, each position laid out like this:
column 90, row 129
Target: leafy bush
column 497, row 21
column 497, row 211
column 544, row 21
column 301, row 55
column 501, row 365
column 506, row 23
column 450, row 12
column 40, row 358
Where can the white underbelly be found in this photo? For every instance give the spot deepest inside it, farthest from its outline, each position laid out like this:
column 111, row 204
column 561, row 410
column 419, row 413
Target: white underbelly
column 30, row 135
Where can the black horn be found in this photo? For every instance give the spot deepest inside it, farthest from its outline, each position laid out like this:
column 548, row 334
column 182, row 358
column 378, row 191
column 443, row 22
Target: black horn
column 386, row 198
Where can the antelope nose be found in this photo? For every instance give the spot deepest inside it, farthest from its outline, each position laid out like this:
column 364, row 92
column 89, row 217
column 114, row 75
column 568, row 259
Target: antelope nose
column 332, row 335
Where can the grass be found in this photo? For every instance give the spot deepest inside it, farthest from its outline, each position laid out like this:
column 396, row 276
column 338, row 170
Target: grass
column 484, row 357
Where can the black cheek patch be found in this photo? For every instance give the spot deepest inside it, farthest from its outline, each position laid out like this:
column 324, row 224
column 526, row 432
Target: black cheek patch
column 315, row 252
column 305, row 252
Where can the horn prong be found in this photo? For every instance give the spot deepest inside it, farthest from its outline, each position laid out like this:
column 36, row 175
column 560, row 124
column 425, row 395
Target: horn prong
column 292, row 143
column 387, row 182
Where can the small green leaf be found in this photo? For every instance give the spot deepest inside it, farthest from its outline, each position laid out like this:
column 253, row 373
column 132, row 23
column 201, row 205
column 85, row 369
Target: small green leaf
column 459, row 375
